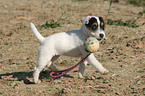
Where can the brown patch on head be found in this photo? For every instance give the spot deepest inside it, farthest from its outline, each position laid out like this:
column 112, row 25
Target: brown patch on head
column 95, row 24
column 92, row 25
column 102, row 24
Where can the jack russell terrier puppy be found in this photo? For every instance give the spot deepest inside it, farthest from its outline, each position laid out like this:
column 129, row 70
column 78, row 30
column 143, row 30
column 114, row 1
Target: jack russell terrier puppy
column 69, row 43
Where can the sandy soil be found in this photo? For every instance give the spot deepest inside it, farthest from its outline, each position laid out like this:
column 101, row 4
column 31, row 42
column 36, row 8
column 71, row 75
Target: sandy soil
column 122, row 53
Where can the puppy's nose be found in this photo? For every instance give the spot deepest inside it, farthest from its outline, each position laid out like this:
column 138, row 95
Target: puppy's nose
column 101, row 35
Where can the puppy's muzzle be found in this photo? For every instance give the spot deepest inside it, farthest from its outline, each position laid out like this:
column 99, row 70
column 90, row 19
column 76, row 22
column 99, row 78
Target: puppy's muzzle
column 101, row 37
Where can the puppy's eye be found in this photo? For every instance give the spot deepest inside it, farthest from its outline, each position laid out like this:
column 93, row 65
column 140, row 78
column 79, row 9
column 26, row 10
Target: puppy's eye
column 94, row 26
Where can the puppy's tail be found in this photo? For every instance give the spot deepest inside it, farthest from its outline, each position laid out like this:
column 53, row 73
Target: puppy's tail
column 35, row 31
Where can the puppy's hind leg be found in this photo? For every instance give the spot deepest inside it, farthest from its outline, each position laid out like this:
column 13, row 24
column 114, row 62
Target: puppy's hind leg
column 43, row 59
column 51, row 66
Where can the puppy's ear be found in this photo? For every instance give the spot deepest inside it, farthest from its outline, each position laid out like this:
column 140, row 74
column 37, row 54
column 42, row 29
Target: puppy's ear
column 101, row 19
column 85, row 20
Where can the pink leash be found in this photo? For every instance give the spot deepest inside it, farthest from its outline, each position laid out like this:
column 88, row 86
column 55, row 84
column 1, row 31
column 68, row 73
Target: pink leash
column 63, row 72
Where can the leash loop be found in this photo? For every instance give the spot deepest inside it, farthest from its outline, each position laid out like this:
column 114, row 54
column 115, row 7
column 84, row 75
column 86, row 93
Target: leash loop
column 63, row 72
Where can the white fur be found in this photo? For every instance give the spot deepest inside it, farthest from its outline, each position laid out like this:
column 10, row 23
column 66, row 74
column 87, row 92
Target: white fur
column 68, row 43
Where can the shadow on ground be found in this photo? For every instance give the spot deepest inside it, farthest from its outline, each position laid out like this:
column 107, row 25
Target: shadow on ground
column 26, row 77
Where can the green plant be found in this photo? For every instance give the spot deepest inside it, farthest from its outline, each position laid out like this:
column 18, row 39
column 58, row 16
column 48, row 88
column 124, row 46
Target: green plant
column 137, row 2
column 129, row 23
column 52, row 23
column 119, row 22
column 111, row 1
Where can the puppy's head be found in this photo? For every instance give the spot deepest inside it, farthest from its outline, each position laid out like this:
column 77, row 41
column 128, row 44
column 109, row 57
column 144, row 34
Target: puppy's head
column 95, row 26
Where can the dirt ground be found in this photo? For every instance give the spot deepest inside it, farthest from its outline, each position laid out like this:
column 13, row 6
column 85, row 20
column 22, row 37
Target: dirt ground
column 122, row 53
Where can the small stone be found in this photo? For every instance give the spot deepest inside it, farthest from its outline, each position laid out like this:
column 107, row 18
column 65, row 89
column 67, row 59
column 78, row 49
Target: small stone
column 115, row 75
column 93, row 77
column 138, row 82
column 136, row 77
column 5, row 6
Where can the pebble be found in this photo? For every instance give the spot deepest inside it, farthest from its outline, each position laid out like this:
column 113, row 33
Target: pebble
column 115, row 74
column 93, row 77
column 138, row 82
column 136, row 77
column 5, row 6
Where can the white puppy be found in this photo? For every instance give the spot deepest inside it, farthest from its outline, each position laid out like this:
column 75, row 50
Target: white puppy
column 69, row 43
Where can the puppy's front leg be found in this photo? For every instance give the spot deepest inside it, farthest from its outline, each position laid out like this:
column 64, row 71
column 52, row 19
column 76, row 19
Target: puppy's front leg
column 92, row 60
column 82, row 69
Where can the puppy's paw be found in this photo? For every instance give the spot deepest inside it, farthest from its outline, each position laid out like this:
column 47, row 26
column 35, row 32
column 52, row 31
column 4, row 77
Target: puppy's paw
column 105, row 72
column 37, row 82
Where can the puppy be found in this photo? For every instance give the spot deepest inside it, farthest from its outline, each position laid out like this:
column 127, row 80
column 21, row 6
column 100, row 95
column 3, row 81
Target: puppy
column 69, row 43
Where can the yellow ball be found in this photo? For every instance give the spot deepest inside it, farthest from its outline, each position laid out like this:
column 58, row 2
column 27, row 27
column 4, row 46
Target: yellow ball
column 91, row 44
